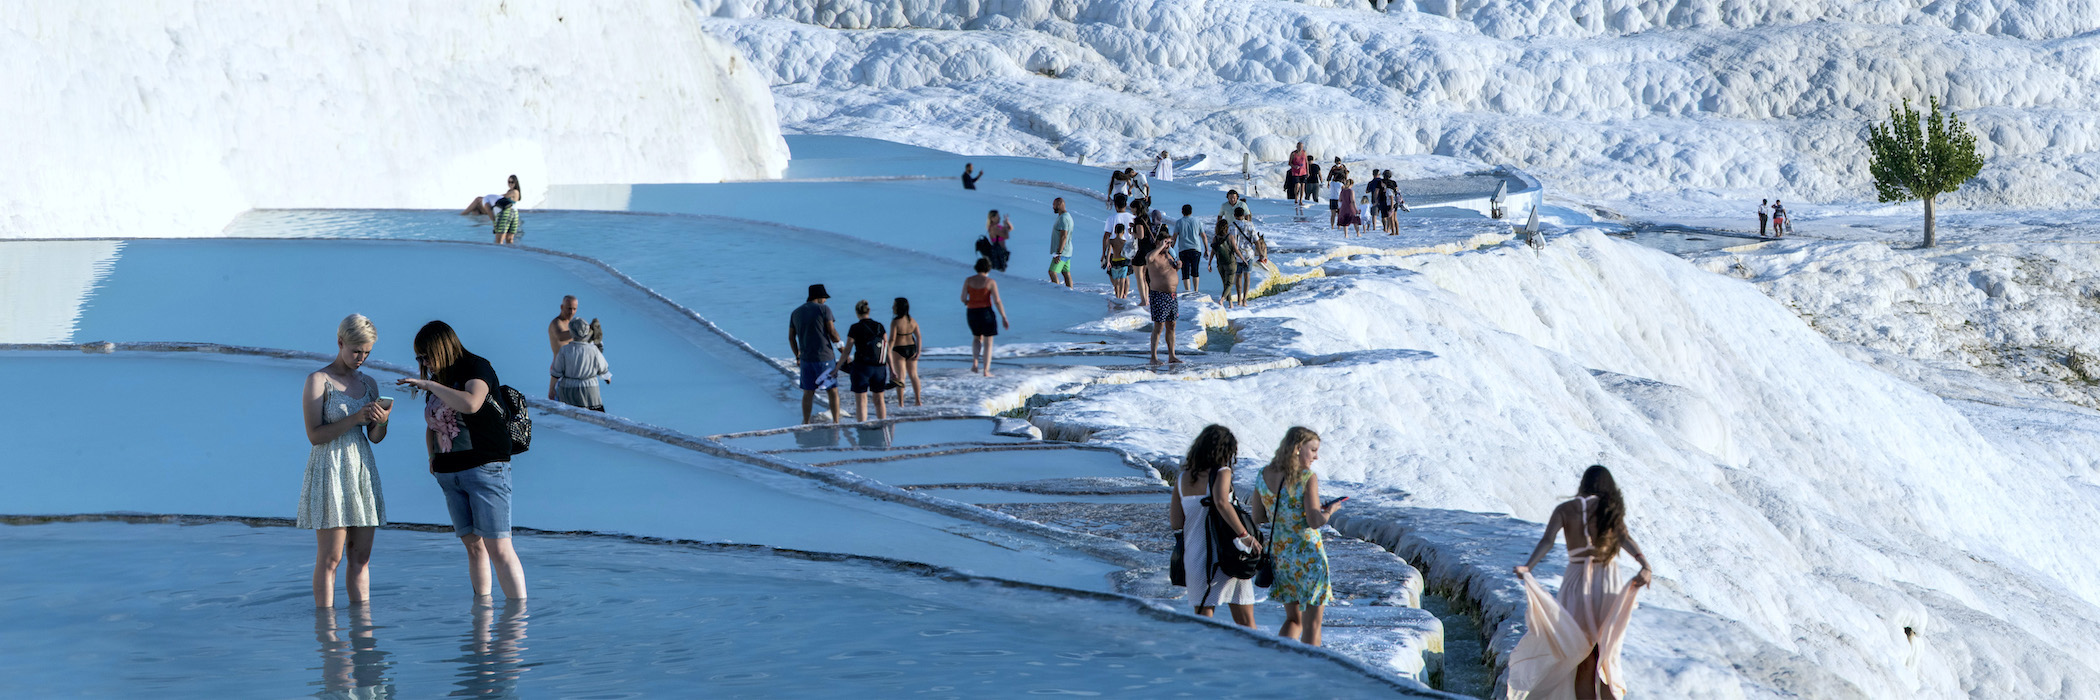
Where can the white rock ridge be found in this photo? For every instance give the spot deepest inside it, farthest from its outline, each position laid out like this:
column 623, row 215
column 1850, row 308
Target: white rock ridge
column 1838, row 518
column 168, row 118
column 1604, row 98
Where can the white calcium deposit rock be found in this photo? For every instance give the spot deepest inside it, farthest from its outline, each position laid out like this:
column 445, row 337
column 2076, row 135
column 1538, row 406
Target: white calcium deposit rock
column 167, row 118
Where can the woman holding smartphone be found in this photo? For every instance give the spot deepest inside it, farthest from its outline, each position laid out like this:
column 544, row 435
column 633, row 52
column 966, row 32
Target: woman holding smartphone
column 341, row 502
column 1289, row 494
column 469, row 454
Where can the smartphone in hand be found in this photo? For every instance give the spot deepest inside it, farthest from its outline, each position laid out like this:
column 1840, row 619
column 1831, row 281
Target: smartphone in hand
column 1330, row 502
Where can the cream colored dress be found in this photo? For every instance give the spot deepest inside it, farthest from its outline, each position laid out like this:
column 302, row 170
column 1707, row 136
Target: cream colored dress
column 342, row 480
column 1592, row 611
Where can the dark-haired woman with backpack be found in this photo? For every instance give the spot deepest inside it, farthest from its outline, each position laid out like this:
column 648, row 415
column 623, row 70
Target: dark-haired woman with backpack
column 469, row 449
column 1571, row 641
column 1203, row 492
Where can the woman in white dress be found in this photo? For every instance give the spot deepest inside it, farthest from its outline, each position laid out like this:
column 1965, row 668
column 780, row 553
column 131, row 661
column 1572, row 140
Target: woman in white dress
column 340, row 501
column 1570, row 648
column 1163, row 168
column 1206, row 475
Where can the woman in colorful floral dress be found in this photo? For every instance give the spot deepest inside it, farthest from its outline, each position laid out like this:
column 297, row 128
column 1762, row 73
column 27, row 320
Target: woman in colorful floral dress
column 1288, row 485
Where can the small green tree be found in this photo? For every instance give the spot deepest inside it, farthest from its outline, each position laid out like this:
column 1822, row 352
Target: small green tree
column 1921, row 157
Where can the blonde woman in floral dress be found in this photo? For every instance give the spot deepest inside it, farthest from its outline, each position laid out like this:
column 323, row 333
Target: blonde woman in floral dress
column 340, row 501
column 1288, row 485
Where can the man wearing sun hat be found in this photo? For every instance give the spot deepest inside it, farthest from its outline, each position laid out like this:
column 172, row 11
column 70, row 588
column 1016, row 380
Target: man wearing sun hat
column 814, row 338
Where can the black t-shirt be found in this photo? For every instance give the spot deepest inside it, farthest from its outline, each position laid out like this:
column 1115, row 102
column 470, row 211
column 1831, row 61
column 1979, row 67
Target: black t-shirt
column 482, row 437
column 867, row 342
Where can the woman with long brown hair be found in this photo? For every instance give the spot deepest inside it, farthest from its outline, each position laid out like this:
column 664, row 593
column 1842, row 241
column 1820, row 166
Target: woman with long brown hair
column 1290, row 495
column 1204, row 491
column 1571, row 646
column 469, row 454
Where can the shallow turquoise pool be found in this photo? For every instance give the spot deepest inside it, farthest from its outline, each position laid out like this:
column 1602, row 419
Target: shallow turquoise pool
column 222, row 610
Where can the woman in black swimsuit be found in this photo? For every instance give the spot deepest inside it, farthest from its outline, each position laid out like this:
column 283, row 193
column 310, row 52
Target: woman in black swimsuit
column 904, row 351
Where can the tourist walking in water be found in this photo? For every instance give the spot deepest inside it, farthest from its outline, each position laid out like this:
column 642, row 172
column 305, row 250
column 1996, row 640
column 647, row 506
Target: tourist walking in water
column 904, row 351
column 506, row 228
column 469, row 449
column 1226, row 257
column 1311, row 184
column 1394, row 204
column 1162, row 273
column 1253, row 250
column 1139, row 186
column 867, row 362
column 486, row 204
column 1190, row 244
column 1764, row 216
column 1163, row 168
column 970, row 178
column 1118, row 241
column 1294, row 181
column 813, row 337
column 1061, row 230
column 578, row 368
column 980, row 296
column 1290, row 497
column 1782, row 224
column 1203, row 492
column 341, row 500
column 1571, row 640
column 1347, row 218
column 1118, row 187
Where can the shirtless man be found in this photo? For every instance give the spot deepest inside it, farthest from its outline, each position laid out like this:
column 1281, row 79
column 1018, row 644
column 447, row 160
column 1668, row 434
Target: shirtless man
column 558, row 329
column 1163, row 272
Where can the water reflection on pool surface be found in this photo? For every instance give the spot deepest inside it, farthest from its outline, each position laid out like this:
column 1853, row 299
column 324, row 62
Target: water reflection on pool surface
column 223, row 610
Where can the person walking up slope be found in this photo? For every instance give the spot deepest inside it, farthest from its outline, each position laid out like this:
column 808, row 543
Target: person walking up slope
column 980, row 296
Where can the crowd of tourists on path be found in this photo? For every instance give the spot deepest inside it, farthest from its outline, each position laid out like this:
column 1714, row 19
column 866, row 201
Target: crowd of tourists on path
column 1225, row 554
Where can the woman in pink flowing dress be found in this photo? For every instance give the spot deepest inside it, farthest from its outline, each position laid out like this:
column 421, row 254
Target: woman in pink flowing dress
column 1570, row 648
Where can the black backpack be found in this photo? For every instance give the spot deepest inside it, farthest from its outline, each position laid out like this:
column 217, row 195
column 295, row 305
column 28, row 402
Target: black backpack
column 517, row 417
column 1230, row 560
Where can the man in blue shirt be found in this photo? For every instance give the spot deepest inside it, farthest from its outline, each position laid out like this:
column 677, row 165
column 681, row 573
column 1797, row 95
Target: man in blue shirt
column 1193, row 248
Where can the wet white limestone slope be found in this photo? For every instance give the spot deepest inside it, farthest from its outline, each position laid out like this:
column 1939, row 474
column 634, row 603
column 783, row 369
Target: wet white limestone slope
column 169, row 117
column 1803, row 508
column 1607, row 99
column 2023, row 313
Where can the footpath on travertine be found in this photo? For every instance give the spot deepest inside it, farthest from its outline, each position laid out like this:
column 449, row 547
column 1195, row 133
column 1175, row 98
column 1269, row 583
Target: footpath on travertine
column 1008, row 467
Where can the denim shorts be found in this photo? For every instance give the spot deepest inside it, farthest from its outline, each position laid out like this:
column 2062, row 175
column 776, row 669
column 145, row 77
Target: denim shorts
column 479, row 500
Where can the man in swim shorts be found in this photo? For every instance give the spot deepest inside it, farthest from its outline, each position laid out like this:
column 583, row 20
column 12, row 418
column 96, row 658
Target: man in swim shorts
column 1160, row 273
column 1061, row 243
column 814, row 339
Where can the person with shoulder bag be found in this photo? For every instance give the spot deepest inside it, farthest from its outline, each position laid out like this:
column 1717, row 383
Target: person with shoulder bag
column 1290, row 496
column 468, row 434
column 1203, row 514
